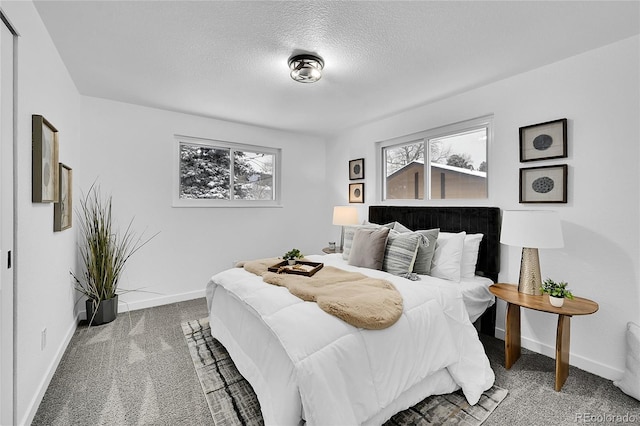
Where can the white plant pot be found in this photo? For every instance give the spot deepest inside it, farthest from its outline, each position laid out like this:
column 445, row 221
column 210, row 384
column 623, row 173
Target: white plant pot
column 556, row 301
column 291, row 261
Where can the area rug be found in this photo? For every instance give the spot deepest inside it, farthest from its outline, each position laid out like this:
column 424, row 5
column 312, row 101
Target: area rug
column 232, row 401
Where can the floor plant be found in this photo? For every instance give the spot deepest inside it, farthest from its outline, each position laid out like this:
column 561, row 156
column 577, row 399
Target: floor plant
column 104, row 252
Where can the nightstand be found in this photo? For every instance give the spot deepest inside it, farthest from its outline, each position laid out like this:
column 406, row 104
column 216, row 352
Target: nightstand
column 329, row 250
column 577, row 306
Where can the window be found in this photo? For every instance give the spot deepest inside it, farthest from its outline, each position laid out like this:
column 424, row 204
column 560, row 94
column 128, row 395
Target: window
column 450, row 162
column 218, row 174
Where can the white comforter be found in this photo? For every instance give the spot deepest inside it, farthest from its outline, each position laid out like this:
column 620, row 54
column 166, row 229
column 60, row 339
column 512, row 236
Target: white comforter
column 346, row 375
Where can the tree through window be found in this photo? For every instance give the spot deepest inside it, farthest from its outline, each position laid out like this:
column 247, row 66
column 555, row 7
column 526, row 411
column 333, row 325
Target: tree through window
column 455, row 166
column 222, row 171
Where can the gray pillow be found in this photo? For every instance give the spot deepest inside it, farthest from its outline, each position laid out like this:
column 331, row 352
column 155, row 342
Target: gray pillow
column 426, row 249
column 389, row 225
column 367, row 249
column 400, row 254
column 397, row 226
column 349, row 232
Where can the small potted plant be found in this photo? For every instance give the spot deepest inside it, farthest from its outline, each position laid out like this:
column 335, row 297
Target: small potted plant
column 292, row 255
column 557, row 292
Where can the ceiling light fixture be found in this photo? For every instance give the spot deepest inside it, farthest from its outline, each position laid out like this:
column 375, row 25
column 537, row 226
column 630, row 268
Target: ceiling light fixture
column 306, row 68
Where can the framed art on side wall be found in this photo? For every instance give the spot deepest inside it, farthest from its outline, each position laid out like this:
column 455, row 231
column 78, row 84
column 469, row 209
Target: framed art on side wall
column 543, row 141
column 44, row 161
column 356, row 169
column 63, row 209
column 356, row 192
column 546, row 184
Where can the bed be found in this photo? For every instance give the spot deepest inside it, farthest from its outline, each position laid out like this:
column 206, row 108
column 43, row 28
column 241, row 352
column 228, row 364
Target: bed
column 484, row 220
column 306, row 365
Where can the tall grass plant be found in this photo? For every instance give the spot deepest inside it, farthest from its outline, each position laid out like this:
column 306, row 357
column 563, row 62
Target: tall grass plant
column 104, row 251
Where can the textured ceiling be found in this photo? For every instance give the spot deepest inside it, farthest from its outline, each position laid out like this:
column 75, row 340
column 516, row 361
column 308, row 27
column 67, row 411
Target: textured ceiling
column 228, row 59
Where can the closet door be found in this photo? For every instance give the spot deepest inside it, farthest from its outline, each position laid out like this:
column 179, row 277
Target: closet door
column 7, row 93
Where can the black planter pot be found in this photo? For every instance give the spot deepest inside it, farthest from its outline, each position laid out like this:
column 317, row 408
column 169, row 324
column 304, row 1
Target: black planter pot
column 107, row 311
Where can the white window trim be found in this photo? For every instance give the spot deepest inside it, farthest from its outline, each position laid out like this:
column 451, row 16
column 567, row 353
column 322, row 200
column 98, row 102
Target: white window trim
column 188, row 202
column 425, row 136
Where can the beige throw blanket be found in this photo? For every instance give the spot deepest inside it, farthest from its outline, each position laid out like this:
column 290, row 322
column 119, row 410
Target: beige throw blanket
column 359, row 300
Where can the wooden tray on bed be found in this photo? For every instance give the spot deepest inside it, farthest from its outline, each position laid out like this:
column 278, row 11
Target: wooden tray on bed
column 306, row 268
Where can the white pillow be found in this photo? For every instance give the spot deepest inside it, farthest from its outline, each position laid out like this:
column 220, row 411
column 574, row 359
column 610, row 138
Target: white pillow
column 448, row 256
column 630, row 382
column 470, row 255
column 470, row 250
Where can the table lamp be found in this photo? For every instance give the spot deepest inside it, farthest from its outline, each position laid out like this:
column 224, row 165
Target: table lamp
column 344, row 215
column 531, row 230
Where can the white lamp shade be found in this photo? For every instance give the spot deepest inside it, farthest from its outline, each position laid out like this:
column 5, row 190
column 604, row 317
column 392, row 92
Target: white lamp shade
column 531, row 228
column 345, row 215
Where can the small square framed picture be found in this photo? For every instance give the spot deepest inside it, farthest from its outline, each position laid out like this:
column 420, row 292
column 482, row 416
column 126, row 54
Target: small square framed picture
column 356, row 192
column 543, row 141
column 546, row 184
column 356, row 169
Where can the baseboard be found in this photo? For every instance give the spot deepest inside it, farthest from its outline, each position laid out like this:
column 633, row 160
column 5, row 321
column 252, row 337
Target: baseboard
column 124, row 306
column 575, row 360
column 44, row 384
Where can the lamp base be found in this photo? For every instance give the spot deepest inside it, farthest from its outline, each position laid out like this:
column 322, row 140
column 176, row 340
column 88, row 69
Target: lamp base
column 530, row 277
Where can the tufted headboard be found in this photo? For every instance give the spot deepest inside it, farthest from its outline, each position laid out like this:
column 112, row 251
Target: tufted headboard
column 485, row 220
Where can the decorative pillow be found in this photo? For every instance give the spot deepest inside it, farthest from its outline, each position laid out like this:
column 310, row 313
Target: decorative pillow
column 349, row 232
column 448, row 256
column 630, row 382
column 368, row 247
column 426, row 250
column 400, row 253
column 389, row 225
column 397, row 226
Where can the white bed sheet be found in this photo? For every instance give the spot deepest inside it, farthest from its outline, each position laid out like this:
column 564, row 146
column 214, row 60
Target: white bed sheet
column 280, row 375
column 476, row 295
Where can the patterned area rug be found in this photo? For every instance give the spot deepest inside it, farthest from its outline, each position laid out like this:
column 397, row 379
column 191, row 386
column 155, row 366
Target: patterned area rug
column 233, row 402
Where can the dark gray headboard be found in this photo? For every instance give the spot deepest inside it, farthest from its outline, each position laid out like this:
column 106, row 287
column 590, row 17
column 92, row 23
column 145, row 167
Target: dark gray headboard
column 485, row 220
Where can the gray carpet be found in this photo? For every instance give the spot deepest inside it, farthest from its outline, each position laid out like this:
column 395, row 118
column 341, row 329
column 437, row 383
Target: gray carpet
column 142, row 374
column 123, row 373
column 533, row 401
column 233, row 402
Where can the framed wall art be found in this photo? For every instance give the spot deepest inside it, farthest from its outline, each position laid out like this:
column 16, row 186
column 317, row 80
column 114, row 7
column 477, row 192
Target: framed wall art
column 44, row 162
column 546, row 184
column 356, row 169
column 63, row 209
column 356, row 192
column 543, row 141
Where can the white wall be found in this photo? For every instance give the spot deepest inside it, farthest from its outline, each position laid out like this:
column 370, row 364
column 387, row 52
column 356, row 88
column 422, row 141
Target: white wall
column 598, row 92
column 42, row 258
column 130, row 150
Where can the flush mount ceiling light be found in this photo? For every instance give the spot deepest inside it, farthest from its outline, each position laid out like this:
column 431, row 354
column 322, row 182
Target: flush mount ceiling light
column 306, row 68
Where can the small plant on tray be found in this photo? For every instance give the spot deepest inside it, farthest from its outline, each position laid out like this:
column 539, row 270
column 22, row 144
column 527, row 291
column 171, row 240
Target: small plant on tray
column 292, row 255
